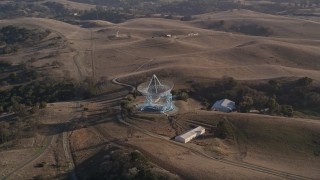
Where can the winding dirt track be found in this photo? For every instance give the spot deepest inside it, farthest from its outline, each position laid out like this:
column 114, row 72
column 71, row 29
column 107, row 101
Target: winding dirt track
column 42, row 151
column 33, row 158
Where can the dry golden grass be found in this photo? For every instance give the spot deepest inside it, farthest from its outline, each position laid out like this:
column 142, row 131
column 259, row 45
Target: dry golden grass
column 285, row 143
column 292, row 51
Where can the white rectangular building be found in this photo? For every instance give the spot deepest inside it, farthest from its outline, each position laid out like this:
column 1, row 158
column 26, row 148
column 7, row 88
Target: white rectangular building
column 188, row 136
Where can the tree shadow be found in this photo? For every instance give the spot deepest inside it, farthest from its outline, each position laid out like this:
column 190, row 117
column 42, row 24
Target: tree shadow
column 75, row 123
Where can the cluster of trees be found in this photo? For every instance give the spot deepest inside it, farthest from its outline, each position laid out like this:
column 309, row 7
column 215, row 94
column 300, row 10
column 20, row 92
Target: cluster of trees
column 57, row 9
column 16, row 74
column 124, row 164
column 186, row 8
column 23, row 76
column 251, row 29
column 11, row 37
column 118, row 11
column 138, row 8
column 126, row 108
column 180, row 94
column 4, row 66
column 301, row 3
column 13, row 9
column 115, row 11
column 107, row 14
column 17, row 128
column 10, row 10
column 37, row 93
column 275, row 97
column 100, row 2
column 192, row 7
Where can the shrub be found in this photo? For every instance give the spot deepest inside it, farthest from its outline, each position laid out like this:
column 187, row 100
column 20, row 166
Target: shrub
column 42, row 105
column 287, row 110
column 305, row 81
column 221, row 131
column 13, row 77
column 186, row 18
column 183, row 96
column 5, row 64
column 246, row 104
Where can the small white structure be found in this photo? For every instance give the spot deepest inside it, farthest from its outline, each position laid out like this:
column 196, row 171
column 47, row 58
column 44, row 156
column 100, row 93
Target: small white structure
column 224, row 105
column 193, row 34
column 188, row 136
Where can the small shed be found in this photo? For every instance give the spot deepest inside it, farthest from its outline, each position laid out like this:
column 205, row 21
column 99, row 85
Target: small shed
column 224, row 105
column 188, row 136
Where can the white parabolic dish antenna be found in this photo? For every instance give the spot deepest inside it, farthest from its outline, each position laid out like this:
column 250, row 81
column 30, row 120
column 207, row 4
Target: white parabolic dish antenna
column 158, row 95
column 155, row 88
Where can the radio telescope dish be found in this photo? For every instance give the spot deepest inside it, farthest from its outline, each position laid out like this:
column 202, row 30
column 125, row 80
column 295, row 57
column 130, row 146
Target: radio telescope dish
column 158, row 95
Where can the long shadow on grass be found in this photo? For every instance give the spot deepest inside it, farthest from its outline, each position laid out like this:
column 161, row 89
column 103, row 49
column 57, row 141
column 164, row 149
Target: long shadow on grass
column 76, row 123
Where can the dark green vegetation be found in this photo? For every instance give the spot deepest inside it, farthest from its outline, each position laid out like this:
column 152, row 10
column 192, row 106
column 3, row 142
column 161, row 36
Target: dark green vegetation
column 26, row 99
column 16, row 74
column 17, row 128
column 127, row 109
column 25, row 87
column 273, row 97
column 107, row 14
column 29, row 88
column 248, row 28
column 25, row 8
column 180, row 95
column 193, row 7
column 36, row 92
column 118, row 11
column 12, row 38
column 120, row 164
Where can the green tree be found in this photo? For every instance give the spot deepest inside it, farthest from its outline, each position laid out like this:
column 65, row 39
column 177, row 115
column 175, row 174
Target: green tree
column 273, row 105
column 274, row 87
column 4, row 131
column 260, row 102
column 305, row 81
column 13, row 77
column 287, row 110
column 42, row 105
column 183, row 96
column 20, row 109
column 246, row 104
column 221, row 131
column 186, row 18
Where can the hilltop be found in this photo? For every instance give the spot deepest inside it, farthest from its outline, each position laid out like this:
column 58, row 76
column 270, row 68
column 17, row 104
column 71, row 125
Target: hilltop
column 93, row 136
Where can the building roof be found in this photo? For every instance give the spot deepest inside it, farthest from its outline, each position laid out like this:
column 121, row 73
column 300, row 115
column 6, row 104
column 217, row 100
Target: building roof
column 224, row 103
column 191, row 132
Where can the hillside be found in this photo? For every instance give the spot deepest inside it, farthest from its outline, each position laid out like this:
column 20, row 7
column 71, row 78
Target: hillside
column 259, row 24
column 209, row 54
column 214, row 54
column 246, row 45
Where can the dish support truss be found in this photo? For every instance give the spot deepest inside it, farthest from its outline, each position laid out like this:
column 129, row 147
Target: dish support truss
column 156, row 101
column 162, row 103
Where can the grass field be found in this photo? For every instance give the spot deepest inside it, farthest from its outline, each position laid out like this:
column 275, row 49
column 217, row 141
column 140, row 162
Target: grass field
column 194, row 52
